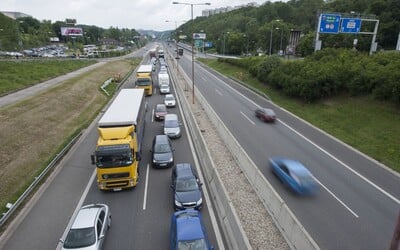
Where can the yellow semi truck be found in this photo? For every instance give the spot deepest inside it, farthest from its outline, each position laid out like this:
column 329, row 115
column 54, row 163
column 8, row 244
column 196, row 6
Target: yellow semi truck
column 118, row 149
column 144, row 78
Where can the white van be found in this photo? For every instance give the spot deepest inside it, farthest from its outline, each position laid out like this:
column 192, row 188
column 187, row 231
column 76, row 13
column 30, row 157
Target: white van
column 163, row 79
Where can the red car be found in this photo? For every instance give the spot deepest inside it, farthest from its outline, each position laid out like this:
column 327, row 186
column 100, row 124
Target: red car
column 160, row 111
column 266, row 115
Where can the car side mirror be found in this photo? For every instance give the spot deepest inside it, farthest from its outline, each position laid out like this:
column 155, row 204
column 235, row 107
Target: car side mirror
column 92, row 158
column 101, row 237
column 138, row 156
column 61, row 241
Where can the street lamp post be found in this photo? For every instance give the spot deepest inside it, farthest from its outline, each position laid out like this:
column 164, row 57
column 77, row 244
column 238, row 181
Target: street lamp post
column 270, row 37
column 191, row 5
column 280, row 46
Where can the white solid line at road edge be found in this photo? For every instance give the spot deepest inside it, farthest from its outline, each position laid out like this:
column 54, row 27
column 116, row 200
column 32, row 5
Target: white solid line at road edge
column 247, row 118
column 145, row 187
column 324, row 151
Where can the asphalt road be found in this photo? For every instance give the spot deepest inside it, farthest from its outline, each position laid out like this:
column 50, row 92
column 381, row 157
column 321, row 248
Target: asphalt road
column 140, row 217
column 359, row 198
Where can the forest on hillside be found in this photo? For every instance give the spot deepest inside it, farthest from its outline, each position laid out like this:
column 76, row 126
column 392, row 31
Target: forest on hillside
column 252, row 29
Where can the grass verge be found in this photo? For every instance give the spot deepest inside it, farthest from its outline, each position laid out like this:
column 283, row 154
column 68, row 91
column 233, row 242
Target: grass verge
column 371, row 126
column 36, row 129
column 16, row 75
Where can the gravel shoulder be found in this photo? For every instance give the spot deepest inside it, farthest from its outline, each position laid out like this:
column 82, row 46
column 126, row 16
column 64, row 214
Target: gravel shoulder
column 255, row 219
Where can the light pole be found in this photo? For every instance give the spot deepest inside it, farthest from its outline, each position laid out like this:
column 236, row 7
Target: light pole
column 270, row 37
column 280, row 47
column 191, row 5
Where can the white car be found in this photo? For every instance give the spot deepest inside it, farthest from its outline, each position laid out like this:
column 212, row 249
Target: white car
column 164, row 89
column 169, row 100
column 89, row 228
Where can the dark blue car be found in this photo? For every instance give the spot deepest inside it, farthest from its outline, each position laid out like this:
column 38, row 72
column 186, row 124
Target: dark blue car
column 295, row 175
column 188, row 231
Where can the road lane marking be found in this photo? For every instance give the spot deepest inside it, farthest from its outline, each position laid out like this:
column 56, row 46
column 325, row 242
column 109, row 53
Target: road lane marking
column 145, row 187
column 218, row 92
column 344, row 164
column 247, row 118
column 334, row 196
column 318, row 147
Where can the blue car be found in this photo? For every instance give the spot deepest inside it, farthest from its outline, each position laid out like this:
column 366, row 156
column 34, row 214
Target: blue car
column 295, row 175
column 188, row 231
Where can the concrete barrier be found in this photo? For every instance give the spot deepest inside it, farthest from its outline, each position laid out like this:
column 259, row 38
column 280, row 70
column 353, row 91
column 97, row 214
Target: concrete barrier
column 290, row 227
column 235, row 237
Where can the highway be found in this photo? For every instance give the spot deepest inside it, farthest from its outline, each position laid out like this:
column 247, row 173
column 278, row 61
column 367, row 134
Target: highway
column 140, row 217
column 359, row 199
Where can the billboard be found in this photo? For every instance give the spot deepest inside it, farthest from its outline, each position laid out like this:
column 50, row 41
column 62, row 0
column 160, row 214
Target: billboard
column 199, row 36
column 71, row 31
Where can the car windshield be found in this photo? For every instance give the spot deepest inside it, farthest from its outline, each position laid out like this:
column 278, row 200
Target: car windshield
column 169, row 98
column 107, row 156
column 143, row 82
column 199, row 244
column 186, row 184
column 269, row 112
column 162, row 148
column 79, row 238
column 171, row 124
column 303, row 179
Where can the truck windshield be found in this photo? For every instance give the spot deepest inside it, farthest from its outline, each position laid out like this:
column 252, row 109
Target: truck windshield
column 114, row 156
column 143, row 82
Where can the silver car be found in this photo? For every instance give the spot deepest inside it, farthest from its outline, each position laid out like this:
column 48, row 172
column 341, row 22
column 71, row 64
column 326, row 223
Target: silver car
column 89, row 228
column 172, row 127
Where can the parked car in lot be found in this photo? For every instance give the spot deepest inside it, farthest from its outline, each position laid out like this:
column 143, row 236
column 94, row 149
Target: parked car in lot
column 172, row 126
column 187, row 231
column 186, row 187
column 266, row 115
column 295, row 175
column 162, row 152
column 160, row 111
column 89, row 228
column 169, row 100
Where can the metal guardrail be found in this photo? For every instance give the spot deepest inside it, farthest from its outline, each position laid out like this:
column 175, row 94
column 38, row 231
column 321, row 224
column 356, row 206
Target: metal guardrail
column 37, row 180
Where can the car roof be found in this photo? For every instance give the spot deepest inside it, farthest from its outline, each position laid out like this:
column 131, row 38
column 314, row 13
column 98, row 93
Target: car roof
column 295, row 167
column 189, row 227
column 86, row 216
column 184, row 169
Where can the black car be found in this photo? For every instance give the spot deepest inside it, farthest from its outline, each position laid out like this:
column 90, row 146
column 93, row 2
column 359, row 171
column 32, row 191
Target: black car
column 162, row 152
column 186, row 187
column 266, row 115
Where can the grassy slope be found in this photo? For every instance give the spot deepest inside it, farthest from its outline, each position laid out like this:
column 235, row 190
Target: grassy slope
column 15, row 75
column 371, row 126
column 34, row 130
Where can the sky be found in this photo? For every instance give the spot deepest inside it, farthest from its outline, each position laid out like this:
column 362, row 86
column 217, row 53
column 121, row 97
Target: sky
column 131, row 14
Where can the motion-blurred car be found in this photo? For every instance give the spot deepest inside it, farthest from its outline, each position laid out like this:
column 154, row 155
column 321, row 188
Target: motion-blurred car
column 187, row 231
column 266, row 115
column 160, row 111
column 169, row 100
column 162, row 152
column 295, row 175
column 186, row 187
column 89, row 228
column 172, row 126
